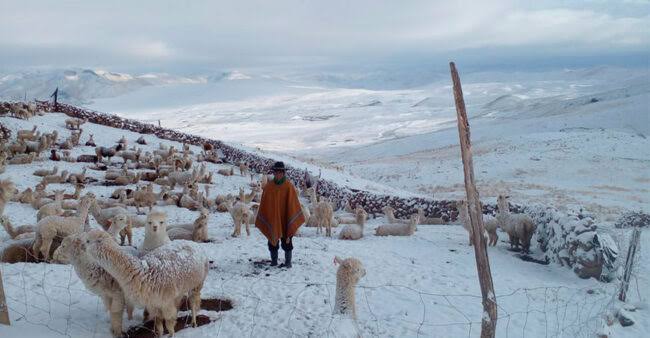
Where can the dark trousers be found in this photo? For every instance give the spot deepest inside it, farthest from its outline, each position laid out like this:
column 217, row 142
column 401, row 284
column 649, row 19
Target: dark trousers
column 283, row 243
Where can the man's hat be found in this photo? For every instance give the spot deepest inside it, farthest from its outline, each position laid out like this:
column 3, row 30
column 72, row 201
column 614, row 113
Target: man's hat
column 278, row 166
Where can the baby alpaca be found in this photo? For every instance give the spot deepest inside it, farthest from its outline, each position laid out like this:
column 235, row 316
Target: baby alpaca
column 324, row 213
column 348, row 275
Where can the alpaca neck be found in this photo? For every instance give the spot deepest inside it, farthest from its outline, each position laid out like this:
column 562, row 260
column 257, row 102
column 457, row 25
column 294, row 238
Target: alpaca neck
column 124, row 267
column 345, row 299
column 9, row 228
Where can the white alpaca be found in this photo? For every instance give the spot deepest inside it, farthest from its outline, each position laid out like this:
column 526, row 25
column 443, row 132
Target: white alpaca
column 103, row 216
column 95, row 279
column 240, row 213
column 155, row 232
column 463, row 216
column 324, row 213
column 355, row 231
column 46, row 172
column 398, row 229
column 157, row 281
column 52, row 226
column 519, row 227
column 390, row 215
column 348, row 275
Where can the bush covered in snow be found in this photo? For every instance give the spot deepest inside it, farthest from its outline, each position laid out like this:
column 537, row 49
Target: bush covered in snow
column 572, row 239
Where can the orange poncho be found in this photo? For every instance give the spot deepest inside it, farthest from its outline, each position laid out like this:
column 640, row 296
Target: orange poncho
column 279, row 215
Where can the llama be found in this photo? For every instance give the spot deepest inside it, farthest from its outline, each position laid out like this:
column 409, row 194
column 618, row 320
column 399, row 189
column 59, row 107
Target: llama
column 398, row 229
column 348, row 275
column 155, row 232
column 52, row 226
column 96, row 279
column 519, row 227
column 157, row 281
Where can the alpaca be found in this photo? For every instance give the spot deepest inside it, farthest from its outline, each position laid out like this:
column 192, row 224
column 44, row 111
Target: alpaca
column 156, row 281
column 102, row 152
column 155, row 232
column 182, row 178
column 240, row 213
column 46, row 172
column 519, row 227
column 90, row 142
column 348, row 275
column 390, row 215
column 7, row 191
column 141, row 140
column 144, row 198
column 52, row 179
column 117, row 224
column 197, row 231
column 226, row 172
column 74, row 123
column 243, row 168
column 52, row 209
column 398, row 229
column 51, row 226
column 324, row 213
column 103, row 217
column 463, row 216
column 78, row 178
column 429, row 220
column 355, row 231
column 16, row 232
column 359, row 219
column 97, row 280
column 22, row 159
column 66, row 157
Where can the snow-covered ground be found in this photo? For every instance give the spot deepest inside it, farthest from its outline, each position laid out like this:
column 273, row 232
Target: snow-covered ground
column 567, row 137
column 423, row 285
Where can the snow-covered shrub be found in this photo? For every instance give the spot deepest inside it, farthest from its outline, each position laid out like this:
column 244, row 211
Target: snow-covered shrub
column 572, row 239
column 633, row 219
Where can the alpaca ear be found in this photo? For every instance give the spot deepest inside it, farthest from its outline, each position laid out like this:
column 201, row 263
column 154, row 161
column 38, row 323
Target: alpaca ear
column 337, row 260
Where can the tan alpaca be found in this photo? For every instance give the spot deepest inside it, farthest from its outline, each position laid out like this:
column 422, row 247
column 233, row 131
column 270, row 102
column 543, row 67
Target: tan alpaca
column 52, row 226
column 390, row 215
column 46, row 172
column 52, row 209
column 23, row 231
column 429, row 220
column 97, row 280
column 360, row 217
column 157, row 281
column 144, row 198
column 197, row 231
column 7, row 191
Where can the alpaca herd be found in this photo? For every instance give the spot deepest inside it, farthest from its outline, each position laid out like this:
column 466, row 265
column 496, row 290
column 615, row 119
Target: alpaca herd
column 169, row 263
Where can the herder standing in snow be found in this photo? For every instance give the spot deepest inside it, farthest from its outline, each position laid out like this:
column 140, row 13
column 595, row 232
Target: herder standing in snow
column 279, row 215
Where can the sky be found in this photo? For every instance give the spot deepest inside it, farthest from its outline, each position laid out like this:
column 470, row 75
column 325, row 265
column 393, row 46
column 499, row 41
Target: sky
column 188, row 36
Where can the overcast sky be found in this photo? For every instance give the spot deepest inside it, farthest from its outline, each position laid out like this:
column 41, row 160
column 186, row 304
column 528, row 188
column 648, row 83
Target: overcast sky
column 192, row 35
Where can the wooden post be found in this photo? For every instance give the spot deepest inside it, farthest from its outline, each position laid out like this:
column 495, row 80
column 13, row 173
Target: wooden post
column 4, row 309
column 629, row 263
column 489, row 321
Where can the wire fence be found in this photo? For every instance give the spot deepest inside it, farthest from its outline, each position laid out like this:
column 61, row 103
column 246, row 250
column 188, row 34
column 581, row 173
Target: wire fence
column 52, row 298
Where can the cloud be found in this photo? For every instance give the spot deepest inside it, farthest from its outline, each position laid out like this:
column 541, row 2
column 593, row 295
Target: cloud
column 214, row 33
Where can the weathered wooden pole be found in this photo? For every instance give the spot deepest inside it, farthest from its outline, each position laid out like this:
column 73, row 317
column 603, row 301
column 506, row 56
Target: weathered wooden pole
column 4, row 309
column 629, row 263
column 489, row 321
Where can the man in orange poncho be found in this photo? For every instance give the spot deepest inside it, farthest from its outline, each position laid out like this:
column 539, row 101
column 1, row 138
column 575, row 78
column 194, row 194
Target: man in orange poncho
column 279, row 215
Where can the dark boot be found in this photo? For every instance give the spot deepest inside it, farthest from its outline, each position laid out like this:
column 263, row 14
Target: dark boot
column 274, row 255
column 287, row 260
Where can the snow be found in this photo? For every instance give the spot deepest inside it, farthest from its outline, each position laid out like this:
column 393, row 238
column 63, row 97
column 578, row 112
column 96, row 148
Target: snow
column 423, row 285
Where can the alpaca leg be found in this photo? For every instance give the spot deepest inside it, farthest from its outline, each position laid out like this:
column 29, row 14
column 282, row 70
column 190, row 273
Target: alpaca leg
column 117, row 307
column 169, row 313
column 235, row 231
column 129, row 234
column 129, row 310
column 195, row 303
column 36, row 247
column 158, row 326
column 248, row 229
column 145, row 315
column 45, row 248
column 122, row 236
column 107, row 303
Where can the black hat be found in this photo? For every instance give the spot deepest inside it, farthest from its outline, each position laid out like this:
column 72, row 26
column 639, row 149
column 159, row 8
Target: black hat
column 278, row 166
